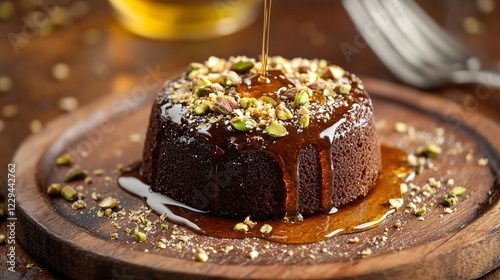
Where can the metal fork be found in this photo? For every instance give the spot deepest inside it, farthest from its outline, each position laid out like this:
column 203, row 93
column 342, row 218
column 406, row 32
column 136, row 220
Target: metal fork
column 416, row 49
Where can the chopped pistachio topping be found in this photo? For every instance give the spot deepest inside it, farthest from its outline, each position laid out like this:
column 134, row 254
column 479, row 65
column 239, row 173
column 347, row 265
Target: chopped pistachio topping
column 343, row 89
column 302, row 98
column 276, row 130
column 216, row 92
column 242, row 67
column 243, row 123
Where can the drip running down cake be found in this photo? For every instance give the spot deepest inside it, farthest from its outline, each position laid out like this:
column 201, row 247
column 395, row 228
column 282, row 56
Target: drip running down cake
column 298, row 142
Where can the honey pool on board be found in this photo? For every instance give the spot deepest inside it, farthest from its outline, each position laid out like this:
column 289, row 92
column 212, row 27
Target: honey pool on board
column 362, row 214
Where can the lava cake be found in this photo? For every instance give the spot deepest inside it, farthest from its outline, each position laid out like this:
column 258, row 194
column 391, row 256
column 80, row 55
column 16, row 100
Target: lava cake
column 298, row 141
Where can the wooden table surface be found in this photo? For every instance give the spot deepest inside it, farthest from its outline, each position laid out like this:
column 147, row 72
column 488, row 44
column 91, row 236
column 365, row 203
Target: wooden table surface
column 103, row 58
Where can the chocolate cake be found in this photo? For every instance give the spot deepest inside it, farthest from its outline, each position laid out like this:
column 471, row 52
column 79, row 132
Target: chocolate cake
column 223, row 139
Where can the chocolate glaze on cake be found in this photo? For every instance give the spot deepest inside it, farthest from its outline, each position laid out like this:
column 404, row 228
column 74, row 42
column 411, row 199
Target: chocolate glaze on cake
column 207, row 147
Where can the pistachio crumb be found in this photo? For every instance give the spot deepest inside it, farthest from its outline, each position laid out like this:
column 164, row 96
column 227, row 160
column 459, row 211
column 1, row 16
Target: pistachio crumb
column 108, row 203
column 353, row 240
column 5, row 82
column 68, row 104
column 74, row 174
column 401, row 127
column 35, row 126
column 79, row 204
column 161, row 245
column 448, row 210
column 164, row 226
column 69, row 193
column 366, row 253
column 312, row 257
column 266, row 228
column 140, row 236
column 54, row 189
column 135, row 138
column 421, row 211
column 249, row 222
column 241, row 227
column 253, row 254
column 114, row 235
column 403, row 188
column 459, row 190
column 88, row 180
column 482, row 161
column 200, row 255
column 60, row 71
column 396, row 203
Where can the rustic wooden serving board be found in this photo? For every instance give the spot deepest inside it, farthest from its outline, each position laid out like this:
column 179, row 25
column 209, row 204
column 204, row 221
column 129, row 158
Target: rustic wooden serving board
column 78, row 244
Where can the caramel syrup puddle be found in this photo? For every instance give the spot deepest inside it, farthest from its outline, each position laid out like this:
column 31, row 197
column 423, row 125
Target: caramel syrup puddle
column 362, row 214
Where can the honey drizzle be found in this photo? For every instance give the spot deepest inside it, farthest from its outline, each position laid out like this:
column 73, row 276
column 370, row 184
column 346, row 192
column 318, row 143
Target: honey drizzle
column 359, row 215
column 265, row 42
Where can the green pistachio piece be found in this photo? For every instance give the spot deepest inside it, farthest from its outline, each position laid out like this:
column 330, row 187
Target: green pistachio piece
column 230, row 78
column 54, row 189
column 108, row 203
column 458, row 191
column 247, row 102
column 140, row 236
column 343, row 89
column 65, row 159
column 243, row 123
column 430, row 151
column 164, row 226
column 301, row 98
column 304, row 121
column 420, row 211
column 74, row 174
column 194, row 66
column 283, row 113
column 69, row 193
column 201, row 109
column 450, row 199
column 269, row 100
column 203, row 91
column 276, row 130
column 242, row 67
column 222, row 105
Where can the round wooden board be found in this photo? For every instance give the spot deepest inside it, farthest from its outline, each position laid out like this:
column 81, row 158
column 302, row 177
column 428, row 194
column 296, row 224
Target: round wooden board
column 77, row 243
